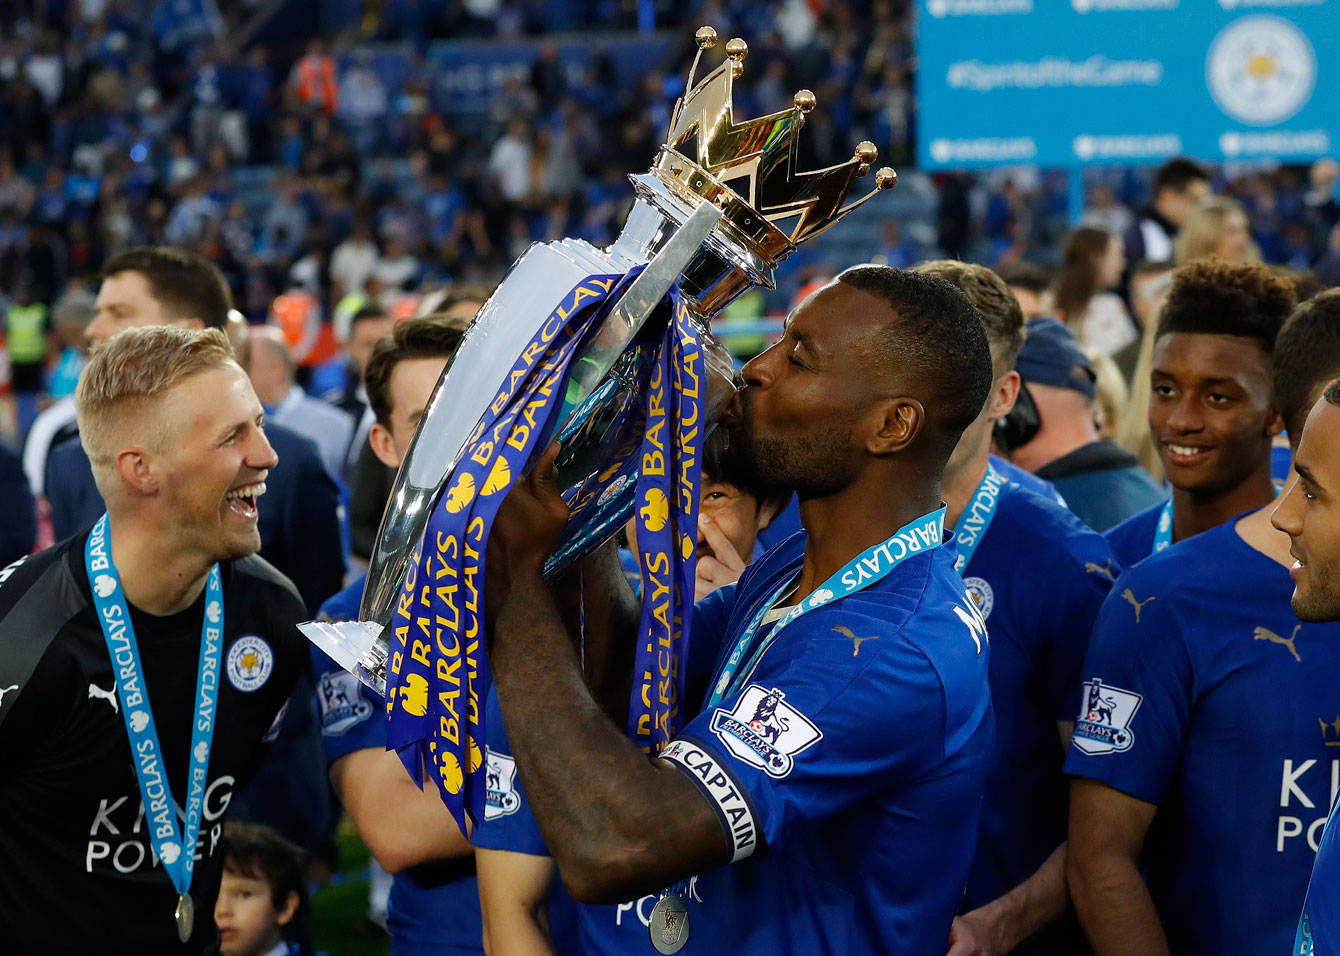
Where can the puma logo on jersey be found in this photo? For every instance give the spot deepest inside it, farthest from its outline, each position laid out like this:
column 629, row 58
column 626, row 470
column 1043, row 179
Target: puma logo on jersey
column 1265, row 634
column 1103, row 571
column 1130, row 597
column 6, row 690
column 856, row 641
column 108, row 695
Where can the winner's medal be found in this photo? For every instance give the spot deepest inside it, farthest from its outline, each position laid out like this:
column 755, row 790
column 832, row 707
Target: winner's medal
column 185, row 916
column 669, row 924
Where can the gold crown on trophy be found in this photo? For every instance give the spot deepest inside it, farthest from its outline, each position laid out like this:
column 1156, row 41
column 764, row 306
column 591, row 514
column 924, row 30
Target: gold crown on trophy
column 749, row 167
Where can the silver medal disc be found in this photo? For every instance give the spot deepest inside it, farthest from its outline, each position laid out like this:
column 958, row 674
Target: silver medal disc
column 185, row 916
column 669, row 925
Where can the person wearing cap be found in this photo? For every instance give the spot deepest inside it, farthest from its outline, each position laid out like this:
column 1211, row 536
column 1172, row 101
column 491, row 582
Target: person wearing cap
column 1101, row 482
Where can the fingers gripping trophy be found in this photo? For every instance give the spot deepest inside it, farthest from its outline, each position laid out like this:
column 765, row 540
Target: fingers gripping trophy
column 608, row 352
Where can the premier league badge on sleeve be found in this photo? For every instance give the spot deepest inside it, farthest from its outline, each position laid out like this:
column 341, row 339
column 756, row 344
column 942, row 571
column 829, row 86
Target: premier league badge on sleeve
column 500, row 796
column 1104, row 721
column 764, row 730
column 343, row 706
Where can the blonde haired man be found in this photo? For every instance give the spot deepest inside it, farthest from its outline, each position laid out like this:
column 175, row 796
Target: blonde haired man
column 147, row 660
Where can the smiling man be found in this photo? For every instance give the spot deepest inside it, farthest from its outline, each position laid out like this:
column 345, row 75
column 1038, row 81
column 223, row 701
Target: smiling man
column 1211, row 408
column 147, row 660
column 1204, row 746
column 847, row 727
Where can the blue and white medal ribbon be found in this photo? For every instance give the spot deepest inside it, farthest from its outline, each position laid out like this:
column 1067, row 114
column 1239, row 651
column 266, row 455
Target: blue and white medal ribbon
column 872, row 565
column 1303, row 944
column 176, row 848
column 1163, row 531
column 976, row 518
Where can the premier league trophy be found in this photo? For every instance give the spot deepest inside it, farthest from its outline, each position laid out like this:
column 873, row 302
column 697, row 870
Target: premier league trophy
column 609, row 352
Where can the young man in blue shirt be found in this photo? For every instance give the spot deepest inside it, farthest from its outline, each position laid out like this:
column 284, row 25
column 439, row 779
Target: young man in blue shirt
column 1038, row 576
column 434, row 903
column 1203, row 752
column 1211, row 408
column 848, row 725
column 1309, row 513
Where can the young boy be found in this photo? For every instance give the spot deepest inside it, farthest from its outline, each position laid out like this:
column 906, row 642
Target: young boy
column 261, row 894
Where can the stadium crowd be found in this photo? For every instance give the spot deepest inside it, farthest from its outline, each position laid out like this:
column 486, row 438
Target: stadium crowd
column 232, row 279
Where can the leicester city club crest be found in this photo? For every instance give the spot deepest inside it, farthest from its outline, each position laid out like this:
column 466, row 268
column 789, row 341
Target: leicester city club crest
column 1104, row 724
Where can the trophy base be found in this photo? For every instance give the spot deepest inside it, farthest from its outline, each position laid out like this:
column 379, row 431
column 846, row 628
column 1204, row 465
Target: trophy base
column 354, row 646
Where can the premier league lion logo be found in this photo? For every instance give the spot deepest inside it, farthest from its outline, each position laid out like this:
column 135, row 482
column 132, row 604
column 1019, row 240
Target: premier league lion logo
column 764, row 730
column 1104, row 724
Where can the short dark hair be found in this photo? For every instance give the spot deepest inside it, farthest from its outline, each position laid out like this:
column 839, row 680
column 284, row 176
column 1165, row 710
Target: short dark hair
column 429, row 337
column 939, row 335
column 990, row 295
column 370, row 311
column 1214, row 297
column 188, row 286
column 1307, row 356
column 1026, row 275
column 1176, row 174
column 258, row 852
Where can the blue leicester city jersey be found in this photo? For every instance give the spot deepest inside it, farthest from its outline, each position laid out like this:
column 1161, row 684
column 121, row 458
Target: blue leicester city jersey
column 1133, row 539
column 434, row 907
column 508, row 824
column 1039, row 577
column 847, row 766
column 1204, row 695
column 1026, row 479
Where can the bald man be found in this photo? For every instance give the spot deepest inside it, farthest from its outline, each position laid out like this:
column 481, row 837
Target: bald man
column 274, row 376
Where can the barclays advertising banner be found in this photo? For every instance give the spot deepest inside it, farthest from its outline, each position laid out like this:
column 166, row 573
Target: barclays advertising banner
column 1063, row 83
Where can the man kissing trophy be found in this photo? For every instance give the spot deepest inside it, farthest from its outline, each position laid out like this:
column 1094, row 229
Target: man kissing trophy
column 607, row 351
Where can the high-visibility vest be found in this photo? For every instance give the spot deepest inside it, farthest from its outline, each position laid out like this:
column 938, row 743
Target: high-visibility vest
column 316, row 81
column 25, row 326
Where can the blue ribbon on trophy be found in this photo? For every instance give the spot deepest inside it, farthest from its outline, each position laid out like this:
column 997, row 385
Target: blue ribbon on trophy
column 667, row 531
column 439, row 676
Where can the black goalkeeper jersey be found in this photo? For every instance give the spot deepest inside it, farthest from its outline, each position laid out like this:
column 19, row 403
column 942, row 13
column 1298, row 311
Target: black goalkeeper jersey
column 78, row 871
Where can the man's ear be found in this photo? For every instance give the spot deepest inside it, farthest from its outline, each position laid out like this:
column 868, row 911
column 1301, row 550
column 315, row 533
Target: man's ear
column 383, row 446
column 1276, row 423
column 768, row 510
column 136, row 469
column 284, row 914
column 1004, row 393
column 898, row 423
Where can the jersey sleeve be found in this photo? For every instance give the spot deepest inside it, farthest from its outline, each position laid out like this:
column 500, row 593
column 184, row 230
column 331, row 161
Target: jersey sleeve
column 809, row 734
column 507, row 822
column 1082, row 583
column 351, row 714
column 1137, row 695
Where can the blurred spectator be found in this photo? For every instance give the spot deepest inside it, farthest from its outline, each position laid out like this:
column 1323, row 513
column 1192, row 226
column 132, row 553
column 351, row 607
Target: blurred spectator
column 274, row 376
column 1150, row 282
column 18, row 519
column 1112, row 398
column 1032, row 286
column 313, row 81
column 509, row 162
column 1178, row 184
column 1101, row 482
column 1217, row 226
column 397, row 269
column 26, row 329
column 1093, row 264
column 362, row 103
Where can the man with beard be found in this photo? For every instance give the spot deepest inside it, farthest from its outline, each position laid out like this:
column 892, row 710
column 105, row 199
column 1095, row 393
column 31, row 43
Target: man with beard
column 1309, row 513
column 847, row 726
